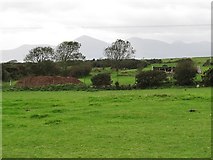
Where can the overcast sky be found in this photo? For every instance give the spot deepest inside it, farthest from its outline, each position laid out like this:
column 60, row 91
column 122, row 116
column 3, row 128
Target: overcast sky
column 54, row 21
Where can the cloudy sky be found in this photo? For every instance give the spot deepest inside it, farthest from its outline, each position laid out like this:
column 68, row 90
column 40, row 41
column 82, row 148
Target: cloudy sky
column 54, row 21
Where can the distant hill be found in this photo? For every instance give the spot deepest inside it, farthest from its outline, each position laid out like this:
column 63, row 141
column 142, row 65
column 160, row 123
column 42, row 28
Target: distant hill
column 91, row 47
column 17, row 53
column 147, row 48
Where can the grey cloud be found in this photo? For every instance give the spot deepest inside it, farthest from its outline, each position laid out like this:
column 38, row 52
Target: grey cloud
column 23, row 6
column 141, row 4
column 38, row 6
column 63, row 5
column 107, row 18
column 14, row 30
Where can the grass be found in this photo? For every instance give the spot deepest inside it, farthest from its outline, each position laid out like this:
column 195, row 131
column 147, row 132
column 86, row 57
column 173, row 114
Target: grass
column 122, row 124
column 125, row 77
column 128, row 76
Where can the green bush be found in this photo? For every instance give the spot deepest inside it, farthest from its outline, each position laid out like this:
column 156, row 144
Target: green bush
column 207, row 78
column 185, row 72
column 102, row 79
column 153, row 78
column 80, row 70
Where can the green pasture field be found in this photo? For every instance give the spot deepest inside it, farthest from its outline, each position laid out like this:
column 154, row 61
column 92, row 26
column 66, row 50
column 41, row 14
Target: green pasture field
column 155, row 123
column 126, row 77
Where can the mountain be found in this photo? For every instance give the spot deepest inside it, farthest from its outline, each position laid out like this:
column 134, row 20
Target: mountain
column 147, row 48
column 91, row 47
column 17, row 53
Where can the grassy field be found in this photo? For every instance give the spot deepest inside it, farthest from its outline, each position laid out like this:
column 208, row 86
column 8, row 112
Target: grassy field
column 128, row 76
column 125, row 77
column 140, row 123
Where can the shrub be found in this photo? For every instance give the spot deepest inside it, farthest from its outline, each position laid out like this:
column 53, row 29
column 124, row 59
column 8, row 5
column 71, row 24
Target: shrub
column 102, row 79
column 153, row 61
column 80, row 70
column 150, row 78
column 117, row 85
column 207, row 78
column 13, row 71
column 45, row 68
column 185, row 72
column 142, row 65
column 5, row 75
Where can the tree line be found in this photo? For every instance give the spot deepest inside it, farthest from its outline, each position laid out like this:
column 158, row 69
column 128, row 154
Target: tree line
column 66, row 60
column 75, row 68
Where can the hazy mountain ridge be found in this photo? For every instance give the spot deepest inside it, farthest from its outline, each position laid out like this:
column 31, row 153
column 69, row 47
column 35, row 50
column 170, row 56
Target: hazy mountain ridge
column 147, row 48
column 91, row 47
column 18, row 53
column 158, row 49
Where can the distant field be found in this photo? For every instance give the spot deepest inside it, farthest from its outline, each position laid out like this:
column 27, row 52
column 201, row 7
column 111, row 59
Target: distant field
column 122, row 124
column 125, row 76
column 128, row 76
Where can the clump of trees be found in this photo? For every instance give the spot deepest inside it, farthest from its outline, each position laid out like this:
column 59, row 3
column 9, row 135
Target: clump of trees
column 64, row 52
column 44, row 68
column 185, row 72
column 81, row 70
column 146, row 79
column 67, row 51
column 102, row 79
column 40, row 54
column 118, row 51
column 13, row 71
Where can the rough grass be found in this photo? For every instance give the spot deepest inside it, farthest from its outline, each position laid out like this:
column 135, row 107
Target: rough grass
column 123, row 124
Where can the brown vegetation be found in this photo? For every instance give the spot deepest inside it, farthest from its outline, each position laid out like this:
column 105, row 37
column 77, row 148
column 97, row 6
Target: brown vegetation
column 39, row 81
